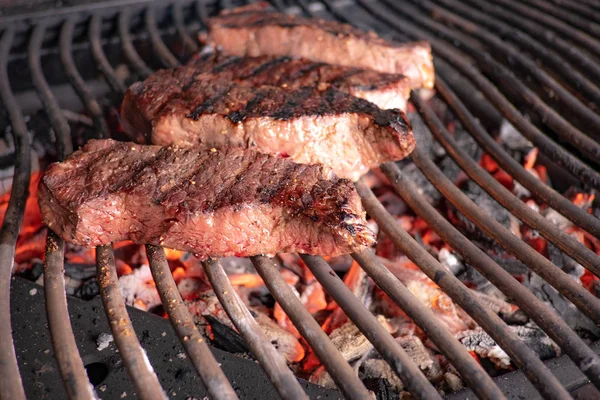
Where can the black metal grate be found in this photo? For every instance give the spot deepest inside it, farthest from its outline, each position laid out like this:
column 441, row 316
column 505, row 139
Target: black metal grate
column 468, row 38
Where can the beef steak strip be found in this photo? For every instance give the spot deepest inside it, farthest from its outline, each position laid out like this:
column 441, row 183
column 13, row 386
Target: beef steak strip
column 226, row 202
column 310, row 126
column 257, row 30
column 384, row 90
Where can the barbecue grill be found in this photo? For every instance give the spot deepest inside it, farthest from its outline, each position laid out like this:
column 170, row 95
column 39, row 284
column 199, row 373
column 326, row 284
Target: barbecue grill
column 478, row 48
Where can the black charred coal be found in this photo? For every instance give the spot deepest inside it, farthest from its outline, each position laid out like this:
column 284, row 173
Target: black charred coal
column 88, row 290
column 226, row 338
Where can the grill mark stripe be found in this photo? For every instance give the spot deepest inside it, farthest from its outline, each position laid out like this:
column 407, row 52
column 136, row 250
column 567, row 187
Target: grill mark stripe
column 305, row 70
column 240, row 115
column 343, row 77
column 267, row 66
column 227, row 64
column 289, row 109
column 196, row 112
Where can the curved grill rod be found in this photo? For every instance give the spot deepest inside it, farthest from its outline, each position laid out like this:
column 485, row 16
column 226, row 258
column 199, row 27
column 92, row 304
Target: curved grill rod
column 270, row 360
column 388, row 348
column 577, row 294
column 509, row 164
column 134, row 356
column 189, row 43
column 11, row 386
column 69, row 361
column 201, row 12
column 535, row 370
column 470, row 371
column 558, row 154
column 563, row 128
column 115, row 83
column 555, row 327
column 582, row 24
column 552, row 40
column 160, row 48
column 72, row 371
column 331, row 358
column 579, row 7
column 131, row 54
column 514, row 205
column 580, row 83
column 195, row 346
column 504, row 77
column 559, row 26
column 66, row 56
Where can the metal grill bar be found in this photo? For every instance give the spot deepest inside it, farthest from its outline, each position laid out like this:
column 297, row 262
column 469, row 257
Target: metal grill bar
column 564, row 67
column 583, row 299
column 66, row 56
column 558, row 154
column 11, row 386
column 477, row 379
column 159, row 47
column 565, row 30
column 567, row 243
column 506, row 162
column 134, row 357
column 566, row 132
column 547, row 319
column 388, row 348
column 337, row 367
column 115, row 83
column 67, row 355
column 189, row 43
column 581, row 23
column 272, row 362
column 538, row 31
column 131, row 54
column 582, row 9
column 195, row 346
column 535, row 370
column 57, row 119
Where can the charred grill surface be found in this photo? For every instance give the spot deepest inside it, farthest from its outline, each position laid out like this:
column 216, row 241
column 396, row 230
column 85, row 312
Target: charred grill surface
column 257, row 30
column 218, row 203
column 309, row 126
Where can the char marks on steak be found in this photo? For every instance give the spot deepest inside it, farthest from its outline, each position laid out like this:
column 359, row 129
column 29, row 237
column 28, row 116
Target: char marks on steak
column 257, row 30
column 382, row 89
column 310, row 126
column 227, row 202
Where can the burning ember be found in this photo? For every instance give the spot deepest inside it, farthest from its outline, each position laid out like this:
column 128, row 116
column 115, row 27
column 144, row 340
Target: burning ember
column 140, row 292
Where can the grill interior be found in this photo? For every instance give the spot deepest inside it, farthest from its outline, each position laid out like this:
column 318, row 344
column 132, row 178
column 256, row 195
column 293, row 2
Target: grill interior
column 478, row 48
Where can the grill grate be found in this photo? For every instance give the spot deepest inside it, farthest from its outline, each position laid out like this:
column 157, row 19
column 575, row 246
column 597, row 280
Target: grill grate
column 462, row 39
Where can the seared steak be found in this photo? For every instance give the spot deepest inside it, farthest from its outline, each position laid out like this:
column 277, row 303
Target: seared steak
column 381, row 89
column 347, row 134
column 226, row 202
column 257, row 30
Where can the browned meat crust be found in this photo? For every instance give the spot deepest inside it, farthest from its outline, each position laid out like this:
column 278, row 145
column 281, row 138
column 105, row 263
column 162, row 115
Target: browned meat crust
column 309, row 126
column 226, row 202
column 384, row 90
column 258, row 30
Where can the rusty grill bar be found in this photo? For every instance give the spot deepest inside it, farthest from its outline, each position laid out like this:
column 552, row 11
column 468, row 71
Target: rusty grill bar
column 462, row 38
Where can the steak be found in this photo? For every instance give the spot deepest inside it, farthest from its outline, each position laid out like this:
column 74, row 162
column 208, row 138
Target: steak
column 383, row 90
column 257, row 30
column 226, row 202
column 308, row 125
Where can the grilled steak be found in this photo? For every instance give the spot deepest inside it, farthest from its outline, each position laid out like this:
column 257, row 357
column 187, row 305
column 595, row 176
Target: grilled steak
column 381, row 89
column 226, row 202
column 257, row 30
column 347, row 134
